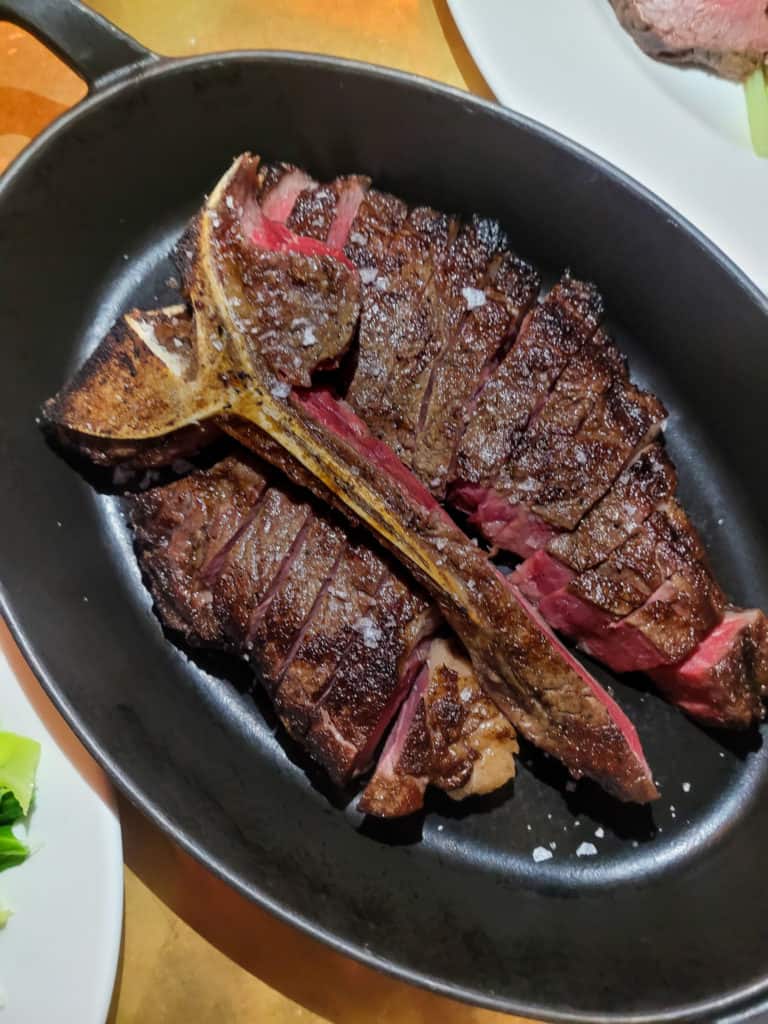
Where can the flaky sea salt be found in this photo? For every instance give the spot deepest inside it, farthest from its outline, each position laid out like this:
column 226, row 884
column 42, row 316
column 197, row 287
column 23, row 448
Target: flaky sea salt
column 600, row 833
column 541, row 853
column 280, row 390
column 686, row 787
column 381, row 283
column 586, row 850
column 473, row 297
column 368, row 274
column 369, row 631
column 308, row 338
column 357, row 238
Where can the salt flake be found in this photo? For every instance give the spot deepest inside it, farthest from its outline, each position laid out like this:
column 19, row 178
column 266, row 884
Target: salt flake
column 369, row 631
column 600, row 833
column 541, row 853
column 473, row 297
column 686, row 787
column 586, row 850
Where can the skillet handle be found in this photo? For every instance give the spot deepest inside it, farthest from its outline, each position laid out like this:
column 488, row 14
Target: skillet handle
column 94, row 47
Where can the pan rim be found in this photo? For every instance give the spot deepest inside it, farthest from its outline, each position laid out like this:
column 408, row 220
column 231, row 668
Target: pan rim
column 737, row 1002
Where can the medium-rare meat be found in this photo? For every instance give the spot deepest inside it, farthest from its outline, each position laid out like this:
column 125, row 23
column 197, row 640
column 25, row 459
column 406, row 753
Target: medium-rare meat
column 448, row 734
column 238, row 561
column 709, row 684
column 539, row 685
column 727, row 36
column 648, row 480
column 573, row 448
column 647, row 604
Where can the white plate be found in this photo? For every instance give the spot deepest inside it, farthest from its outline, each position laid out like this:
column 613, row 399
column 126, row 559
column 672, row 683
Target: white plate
column 682, row 133
column 59, row 951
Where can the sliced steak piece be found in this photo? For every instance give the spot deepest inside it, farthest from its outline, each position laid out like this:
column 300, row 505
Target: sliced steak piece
column 648, row 604
column 729, row 37
column 552, row 333
column 276, row 633
column 495, row 305
column 448, row 734
column 649, row 480
column 710, row 683
column 400, row 328
column 278, row 187
column 183, row 532
column 326, row 212
column 588, row 428
column 370, row 682
column 348, row 596
column 257, row 562
column 593, row 423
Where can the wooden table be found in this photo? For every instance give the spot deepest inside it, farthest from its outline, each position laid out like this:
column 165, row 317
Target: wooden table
column 195, row 952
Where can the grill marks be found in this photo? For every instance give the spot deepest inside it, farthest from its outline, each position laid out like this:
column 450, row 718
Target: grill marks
column 237, row 561
column 439, row 301
column 552, row 333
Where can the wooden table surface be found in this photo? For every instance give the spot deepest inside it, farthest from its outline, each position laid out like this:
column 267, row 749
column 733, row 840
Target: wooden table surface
column 194, row 952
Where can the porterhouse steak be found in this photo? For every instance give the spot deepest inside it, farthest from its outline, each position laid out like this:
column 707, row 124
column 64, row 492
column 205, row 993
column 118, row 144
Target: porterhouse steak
column 518, row 412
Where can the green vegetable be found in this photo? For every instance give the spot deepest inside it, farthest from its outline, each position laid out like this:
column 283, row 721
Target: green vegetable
column 18, row 765
column 12, row 850
column 5, row 913
column 10, row 808
column 756, row 91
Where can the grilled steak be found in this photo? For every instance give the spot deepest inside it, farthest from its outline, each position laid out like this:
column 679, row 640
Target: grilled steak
column 448, row 734
column 520, row 413
column 726, row 36
column 237, row 560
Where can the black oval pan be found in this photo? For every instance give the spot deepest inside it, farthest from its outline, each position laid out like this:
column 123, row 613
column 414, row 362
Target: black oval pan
column 668, row 921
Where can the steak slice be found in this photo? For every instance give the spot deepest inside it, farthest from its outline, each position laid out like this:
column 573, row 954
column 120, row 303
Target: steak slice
column 649, row 603
column 588, row 428
column 552, row 333
column 710, row 683
column 347, row 597
column 257, row 562
column 649, row 480
column 730, row 38
column 182, row 533
column 326, row 212
column 504, row 290
column 399, row 320
column 448, row 734
column 370, row 682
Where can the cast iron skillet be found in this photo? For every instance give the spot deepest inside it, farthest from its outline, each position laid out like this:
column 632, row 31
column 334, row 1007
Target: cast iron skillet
column 667, row 921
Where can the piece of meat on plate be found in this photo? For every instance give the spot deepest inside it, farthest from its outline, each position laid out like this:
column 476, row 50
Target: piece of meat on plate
column 448, row 734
